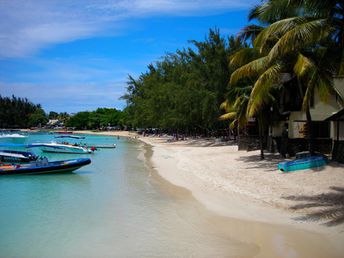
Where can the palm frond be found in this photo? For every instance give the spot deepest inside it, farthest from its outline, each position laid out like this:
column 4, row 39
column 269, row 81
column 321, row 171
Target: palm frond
column 320, row 81
column 261, row 90
column 302, row 65
column 301, row 36
column 254, row 68
column 275, row 30
column 225, row 105
column 250, row 32
column 244, row 56
column 272, row 11
column 233, row 123
column 228, row 116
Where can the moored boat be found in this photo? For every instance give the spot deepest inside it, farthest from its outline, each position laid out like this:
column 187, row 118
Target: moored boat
column 54, row 147
column 15, row 136
column 104, row 146
column 304, row 163
column 17, row 156
column 70, row 136
column 44, row 167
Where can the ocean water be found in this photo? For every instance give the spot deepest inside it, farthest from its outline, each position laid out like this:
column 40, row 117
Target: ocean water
column 119, row 207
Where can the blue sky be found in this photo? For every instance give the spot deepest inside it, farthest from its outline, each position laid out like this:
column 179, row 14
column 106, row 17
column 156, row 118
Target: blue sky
column 76, row 55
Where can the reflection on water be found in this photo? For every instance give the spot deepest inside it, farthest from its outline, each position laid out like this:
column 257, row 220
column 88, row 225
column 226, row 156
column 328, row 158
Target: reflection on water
column 118, row 206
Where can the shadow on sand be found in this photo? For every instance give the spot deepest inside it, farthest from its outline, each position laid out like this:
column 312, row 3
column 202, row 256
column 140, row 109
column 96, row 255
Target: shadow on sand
column 327, row 206
column 268, row 164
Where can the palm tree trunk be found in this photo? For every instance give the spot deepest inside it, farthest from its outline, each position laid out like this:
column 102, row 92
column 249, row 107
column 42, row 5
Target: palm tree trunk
column 309, row 131
column 238, row 128
column 261, row 136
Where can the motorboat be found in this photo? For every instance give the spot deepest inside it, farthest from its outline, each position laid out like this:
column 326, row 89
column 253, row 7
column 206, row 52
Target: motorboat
column 17, row 156
column 43, row 166
column 13, row 136
column 54, row 147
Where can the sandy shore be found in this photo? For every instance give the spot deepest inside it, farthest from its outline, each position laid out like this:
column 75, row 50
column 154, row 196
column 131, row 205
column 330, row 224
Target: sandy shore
column 210, row 166
column 238, row 184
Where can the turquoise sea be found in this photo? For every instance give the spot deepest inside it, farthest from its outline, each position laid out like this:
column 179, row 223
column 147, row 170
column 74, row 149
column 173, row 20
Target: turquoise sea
column 119, row 207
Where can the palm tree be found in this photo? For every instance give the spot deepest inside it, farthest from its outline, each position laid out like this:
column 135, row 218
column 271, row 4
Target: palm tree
column 235, row 107
column 296, row 45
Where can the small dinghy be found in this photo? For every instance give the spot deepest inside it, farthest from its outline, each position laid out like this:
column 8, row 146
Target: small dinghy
column 17, row 156
column 304, row 163
column 44, row 167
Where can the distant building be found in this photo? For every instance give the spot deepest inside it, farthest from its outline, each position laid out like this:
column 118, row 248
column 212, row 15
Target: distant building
column 53, row 123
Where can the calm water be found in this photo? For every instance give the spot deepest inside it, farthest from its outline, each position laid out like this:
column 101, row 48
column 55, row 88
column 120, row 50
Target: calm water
column 117, row 206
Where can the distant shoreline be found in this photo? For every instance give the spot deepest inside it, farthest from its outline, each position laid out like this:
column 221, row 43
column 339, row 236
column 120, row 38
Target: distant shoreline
column 128, row 134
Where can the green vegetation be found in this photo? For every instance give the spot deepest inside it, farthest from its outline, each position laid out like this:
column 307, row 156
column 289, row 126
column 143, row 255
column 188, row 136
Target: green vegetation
column 183, row 92
column 101, row 118
column 294, row 46
column 300, row 39
column 20, row 113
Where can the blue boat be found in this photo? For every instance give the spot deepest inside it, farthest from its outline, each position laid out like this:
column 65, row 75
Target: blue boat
column 44, row 167
column 305, row 163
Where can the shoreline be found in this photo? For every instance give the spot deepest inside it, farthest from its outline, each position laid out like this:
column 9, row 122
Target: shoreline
column 223, row 180
column 237, row 184
column 225, row 169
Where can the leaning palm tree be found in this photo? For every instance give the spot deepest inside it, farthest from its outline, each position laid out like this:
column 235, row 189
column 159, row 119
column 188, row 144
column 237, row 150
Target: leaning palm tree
column 253, row 61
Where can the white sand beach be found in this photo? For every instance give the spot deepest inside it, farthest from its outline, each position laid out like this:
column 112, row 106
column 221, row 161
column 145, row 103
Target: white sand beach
column 209, row 166
column 238, row 184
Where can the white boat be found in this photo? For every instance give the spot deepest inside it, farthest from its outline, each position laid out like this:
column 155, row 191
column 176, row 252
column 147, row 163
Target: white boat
column 15, row 135
column 105, row 146
column 54, row 147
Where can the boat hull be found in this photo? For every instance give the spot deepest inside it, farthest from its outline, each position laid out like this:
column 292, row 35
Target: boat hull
column 305, row 163
column 105, row 146
column 45, row 168
column 66, row 151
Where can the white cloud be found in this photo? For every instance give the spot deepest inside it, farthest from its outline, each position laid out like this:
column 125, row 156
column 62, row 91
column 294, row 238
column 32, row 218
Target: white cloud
column 27, row 26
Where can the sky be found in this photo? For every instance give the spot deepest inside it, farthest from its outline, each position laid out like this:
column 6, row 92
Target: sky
column 76, row 55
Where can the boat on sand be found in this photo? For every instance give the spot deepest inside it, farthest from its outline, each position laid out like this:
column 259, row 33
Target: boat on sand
column 317, row 161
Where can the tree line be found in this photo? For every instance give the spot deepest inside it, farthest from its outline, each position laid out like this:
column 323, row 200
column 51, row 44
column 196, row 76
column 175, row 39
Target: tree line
column 18, row 112
column 294, row 46
column 183, row 91
column 100, row 119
